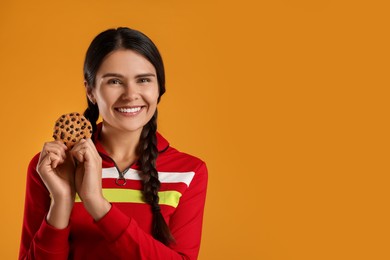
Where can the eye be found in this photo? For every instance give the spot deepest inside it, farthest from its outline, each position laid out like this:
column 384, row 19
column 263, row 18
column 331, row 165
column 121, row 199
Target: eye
column 114, row 81
column 144, row 80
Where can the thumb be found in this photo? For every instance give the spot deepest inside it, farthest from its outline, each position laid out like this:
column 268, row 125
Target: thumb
column 48, row 161
column 45, row 164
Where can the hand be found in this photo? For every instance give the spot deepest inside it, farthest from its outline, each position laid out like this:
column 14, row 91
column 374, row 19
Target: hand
column 88, row 178
column 56, row 170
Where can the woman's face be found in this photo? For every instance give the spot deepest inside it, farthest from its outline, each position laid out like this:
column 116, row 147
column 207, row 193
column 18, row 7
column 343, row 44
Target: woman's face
column 126, row 90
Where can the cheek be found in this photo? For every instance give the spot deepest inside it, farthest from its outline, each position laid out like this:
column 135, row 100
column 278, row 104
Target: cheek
column 106, row 97
column 152, row 96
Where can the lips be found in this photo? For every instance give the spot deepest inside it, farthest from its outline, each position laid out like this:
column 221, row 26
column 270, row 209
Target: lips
column 129, row 109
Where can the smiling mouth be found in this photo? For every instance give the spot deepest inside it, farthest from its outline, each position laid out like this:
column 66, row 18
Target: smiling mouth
column 129, row 109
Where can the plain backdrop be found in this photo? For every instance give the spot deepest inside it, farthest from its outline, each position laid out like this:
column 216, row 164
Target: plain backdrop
column 287, row 101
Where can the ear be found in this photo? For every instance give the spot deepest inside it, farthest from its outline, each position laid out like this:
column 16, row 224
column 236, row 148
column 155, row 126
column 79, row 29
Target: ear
column 89, row 91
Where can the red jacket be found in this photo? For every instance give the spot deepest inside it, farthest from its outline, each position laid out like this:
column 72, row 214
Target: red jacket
column 125, row 231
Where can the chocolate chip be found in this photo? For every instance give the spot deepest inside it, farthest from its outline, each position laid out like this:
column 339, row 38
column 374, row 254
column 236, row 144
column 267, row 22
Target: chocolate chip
column 68, row 138
column 73, row 119
column 71, row 126
column 63, row 116
column 62, row 135
column 77, row 135
column 67, row 122
column 78, row 122
column 71, row 114
column 67, row 129
column 55, row 137
column 61, row 126
column 57, row 124
column 74, row 140
column 71, row 132
column 89, row 127
column 64, row 143
column 77, row 114
column 77, row 129
column 61, row 120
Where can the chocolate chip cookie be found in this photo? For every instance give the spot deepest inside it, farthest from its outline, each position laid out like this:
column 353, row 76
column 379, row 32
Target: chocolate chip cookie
column 71, row 128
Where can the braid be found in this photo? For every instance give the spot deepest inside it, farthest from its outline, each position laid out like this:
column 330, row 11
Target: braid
column 92, row 114
column 147, row 151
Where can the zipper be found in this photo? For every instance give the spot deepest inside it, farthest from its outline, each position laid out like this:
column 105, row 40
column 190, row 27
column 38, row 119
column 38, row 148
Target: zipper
column 121, row 180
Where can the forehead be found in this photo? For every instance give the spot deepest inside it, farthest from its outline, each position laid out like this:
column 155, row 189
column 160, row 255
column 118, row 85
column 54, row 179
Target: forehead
column 125, row 62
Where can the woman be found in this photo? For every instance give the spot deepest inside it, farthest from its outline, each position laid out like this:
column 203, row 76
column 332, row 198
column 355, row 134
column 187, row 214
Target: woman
column 124, row 193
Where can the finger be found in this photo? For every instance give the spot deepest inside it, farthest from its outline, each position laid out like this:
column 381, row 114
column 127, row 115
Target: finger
column 92, row 146
column 81, row 154
column 49, row 160
column 60, row 143
column 78, row 144
column 57, row 152
column 54, row 160
column 91, row 152
column 55, row 147
column 78, row 154
column 85, row 151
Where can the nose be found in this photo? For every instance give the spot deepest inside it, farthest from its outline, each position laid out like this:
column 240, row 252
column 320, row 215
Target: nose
column 130, row 92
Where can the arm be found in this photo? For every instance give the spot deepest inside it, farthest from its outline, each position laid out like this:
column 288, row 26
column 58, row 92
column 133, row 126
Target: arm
column 128, row 241
column 39, row 239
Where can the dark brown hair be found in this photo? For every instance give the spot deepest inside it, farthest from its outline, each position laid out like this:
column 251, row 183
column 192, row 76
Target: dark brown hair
column 126, row 38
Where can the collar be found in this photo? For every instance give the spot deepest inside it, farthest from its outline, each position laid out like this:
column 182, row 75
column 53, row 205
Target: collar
column 162, row 143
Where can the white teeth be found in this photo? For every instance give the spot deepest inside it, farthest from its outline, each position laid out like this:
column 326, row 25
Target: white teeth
column 129, row 110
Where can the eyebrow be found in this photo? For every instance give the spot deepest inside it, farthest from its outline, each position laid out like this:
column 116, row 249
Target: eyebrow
column 145, row 75
column 112, row 75
column 121, row 76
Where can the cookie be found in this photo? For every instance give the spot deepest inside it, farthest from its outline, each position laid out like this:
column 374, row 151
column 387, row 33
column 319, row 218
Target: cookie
column 71, row 128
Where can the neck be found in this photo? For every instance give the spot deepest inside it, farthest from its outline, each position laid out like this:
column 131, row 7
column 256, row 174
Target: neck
column 120, row 145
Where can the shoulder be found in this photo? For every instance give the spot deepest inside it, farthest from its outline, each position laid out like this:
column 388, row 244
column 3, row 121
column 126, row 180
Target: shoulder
column 35, row 158
column 33, row 163
column 175, row 166
column 171, row 159
column 32, row 174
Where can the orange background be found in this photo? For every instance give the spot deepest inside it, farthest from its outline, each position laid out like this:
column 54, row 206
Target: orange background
column 287, row 102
